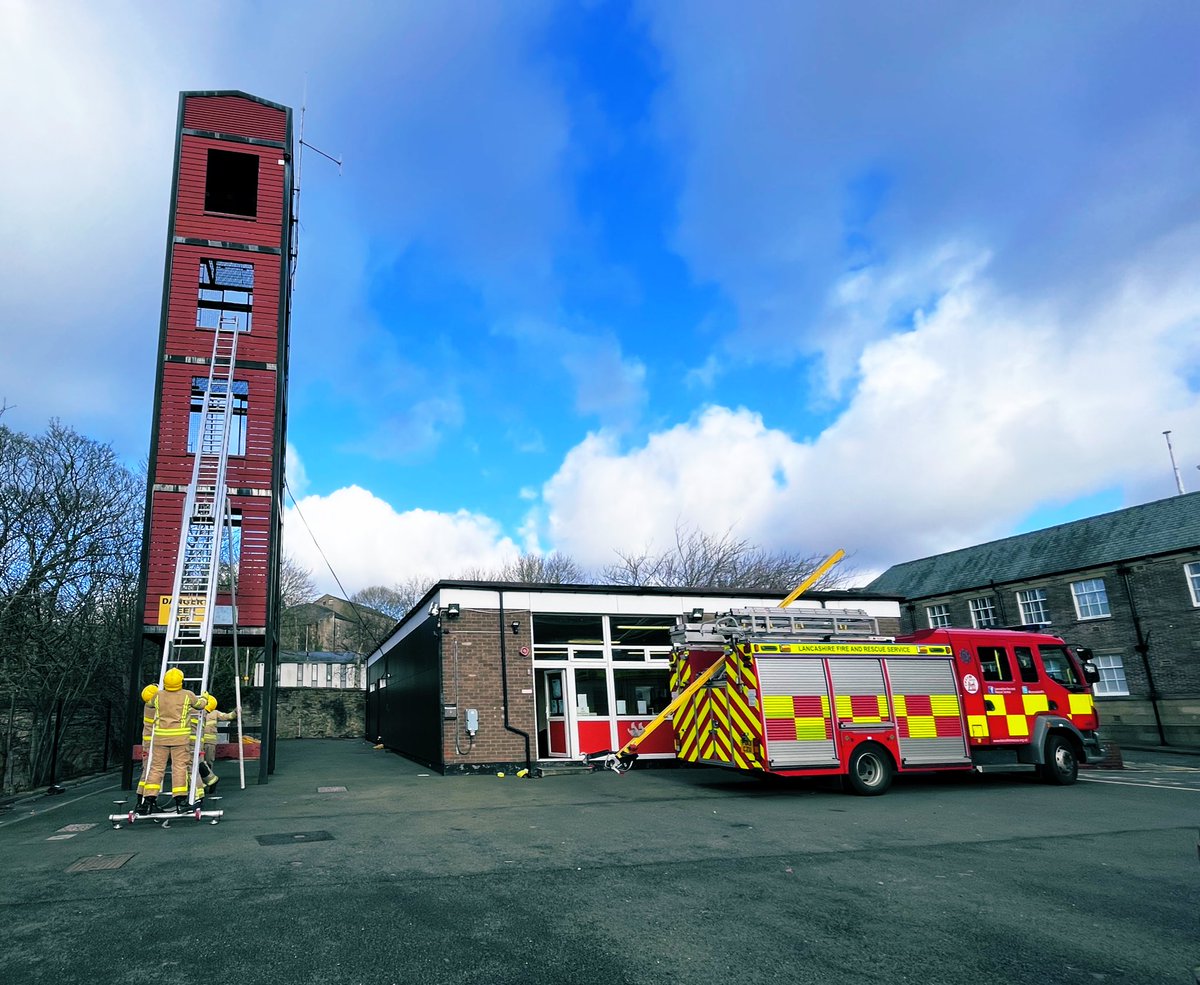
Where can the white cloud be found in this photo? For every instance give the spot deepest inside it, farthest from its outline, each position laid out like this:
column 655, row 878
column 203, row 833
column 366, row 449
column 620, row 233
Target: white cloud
column 987, row 409
column 367, row 542
column 297, row 476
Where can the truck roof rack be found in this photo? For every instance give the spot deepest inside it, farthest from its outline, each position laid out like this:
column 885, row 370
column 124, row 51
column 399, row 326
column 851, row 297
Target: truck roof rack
column 767, row 622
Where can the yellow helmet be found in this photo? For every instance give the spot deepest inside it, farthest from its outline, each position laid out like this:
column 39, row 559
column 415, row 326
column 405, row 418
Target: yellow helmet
column 210, row 704
column 173, row 680
column 148, row 693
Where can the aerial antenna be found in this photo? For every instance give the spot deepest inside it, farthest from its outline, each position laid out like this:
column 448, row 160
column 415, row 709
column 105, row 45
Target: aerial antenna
column 1174, row 467
column 296, row 194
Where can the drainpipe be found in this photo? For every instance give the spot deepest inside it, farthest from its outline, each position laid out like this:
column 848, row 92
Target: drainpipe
column 504, row 686
column 1143, row 649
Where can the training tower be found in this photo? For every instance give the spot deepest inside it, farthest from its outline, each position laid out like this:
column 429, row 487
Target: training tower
column 213, row 514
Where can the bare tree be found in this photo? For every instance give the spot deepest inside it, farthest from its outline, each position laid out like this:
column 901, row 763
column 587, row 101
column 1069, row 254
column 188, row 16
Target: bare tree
column 393, row 602
column 296, row 583
column 70, row 535
column 545, row 569
column 703, row 560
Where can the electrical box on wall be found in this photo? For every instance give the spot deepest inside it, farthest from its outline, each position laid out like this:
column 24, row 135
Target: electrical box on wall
column 472, row 721
column 449, row 712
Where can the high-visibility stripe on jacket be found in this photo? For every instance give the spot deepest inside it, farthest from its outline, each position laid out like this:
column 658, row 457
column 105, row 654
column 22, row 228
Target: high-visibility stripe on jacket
column 210, row 723
column 172, row 712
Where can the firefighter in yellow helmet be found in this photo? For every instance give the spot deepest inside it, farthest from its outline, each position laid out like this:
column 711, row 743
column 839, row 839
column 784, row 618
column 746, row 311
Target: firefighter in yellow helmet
column 211, row 717
column 148, row 693
column 170, row 741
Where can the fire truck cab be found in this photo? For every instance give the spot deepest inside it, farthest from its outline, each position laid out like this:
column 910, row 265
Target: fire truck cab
column 820, row 692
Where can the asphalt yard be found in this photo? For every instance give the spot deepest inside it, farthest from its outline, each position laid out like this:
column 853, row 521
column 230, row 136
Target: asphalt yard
column 354, row 865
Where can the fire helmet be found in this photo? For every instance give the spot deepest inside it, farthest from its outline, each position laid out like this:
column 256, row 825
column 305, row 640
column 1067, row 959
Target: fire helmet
column 148, row 693
column 210, row 704
column 173, row 680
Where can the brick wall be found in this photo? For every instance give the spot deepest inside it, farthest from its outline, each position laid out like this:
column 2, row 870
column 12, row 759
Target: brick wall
column 471, row 679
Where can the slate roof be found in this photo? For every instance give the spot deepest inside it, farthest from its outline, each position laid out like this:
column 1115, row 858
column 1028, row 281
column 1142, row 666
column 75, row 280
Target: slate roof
column 1162, row 527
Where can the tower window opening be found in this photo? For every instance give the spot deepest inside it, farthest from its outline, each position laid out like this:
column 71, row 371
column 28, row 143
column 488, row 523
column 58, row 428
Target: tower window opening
column 231, row 183
column 237, row 415
column 226, row 294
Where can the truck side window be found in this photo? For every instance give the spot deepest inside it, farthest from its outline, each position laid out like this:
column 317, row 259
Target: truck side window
column 1024, row 654
column 1059, row 667
column 994, row 661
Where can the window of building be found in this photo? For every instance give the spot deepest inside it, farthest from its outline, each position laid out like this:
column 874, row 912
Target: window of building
column 642, row 692
column 1091, row 599
column 237, row 420
column 231, row 183
column 555, row 628
column 230, row 561
column 983, row 611
column 1025, row 664
column 591, row 692
column 329, row 675
column 312, row 679
column 640, row 637
column 939, row 615
column 342, row 675
column 1112, row 681
column 1032, row 603
column 994, row 661
column 226, row 295
column 1192, row 570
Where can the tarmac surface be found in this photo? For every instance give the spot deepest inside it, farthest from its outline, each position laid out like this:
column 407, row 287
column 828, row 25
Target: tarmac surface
column 354, row 865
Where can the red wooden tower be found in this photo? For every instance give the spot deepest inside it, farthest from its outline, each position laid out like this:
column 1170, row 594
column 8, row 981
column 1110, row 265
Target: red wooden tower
column 228, row 263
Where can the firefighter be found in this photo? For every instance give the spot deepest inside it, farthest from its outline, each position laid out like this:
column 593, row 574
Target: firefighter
column 148, row 693
column 170, row 741
column 211, row 717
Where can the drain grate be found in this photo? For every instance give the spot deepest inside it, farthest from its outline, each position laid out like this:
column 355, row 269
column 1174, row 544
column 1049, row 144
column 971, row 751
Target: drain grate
column 294, row 838
column 95, row 863
column 331, row 789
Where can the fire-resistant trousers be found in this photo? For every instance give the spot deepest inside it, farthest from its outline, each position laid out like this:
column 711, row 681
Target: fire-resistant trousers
column 174, row 748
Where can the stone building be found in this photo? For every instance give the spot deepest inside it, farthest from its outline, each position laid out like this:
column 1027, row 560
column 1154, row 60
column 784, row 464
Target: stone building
column 1125, row 584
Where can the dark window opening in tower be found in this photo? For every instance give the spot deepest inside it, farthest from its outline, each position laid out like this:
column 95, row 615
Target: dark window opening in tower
column 226, row 295
column 231, row 183
column 237, row 417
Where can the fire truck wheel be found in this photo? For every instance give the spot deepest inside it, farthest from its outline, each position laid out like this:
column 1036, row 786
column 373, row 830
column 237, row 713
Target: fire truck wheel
column 870, row 770
column 1062, row 765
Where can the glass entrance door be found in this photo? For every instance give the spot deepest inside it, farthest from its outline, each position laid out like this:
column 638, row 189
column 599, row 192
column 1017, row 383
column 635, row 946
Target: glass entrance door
column 554, row 700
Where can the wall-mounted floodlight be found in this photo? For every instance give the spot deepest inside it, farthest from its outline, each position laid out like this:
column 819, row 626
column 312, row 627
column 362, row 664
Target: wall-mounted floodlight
column 451, row 610
column 697, row 614
column 516, row 627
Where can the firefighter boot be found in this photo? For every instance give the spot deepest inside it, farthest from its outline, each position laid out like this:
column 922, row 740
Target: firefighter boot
column 145, row 807
column 211, row 781
column 181, row 805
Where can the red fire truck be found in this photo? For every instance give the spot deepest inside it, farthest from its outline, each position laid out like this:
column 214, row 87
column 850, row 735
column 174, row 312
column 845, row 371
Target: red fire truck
column 818, row 692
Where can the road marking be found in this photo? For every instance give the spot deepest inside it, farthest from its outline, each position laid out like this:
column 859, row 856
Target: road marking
column 1127, row 783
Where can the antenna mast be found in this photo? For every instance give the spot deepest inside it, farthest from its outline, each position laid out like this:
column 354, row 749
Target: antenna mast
column 1174, row 467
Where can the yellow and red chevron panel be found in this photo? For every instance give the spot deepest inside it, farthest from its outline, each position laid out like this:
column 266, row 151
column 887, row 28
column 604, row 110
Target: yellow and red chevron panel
column 802, row 717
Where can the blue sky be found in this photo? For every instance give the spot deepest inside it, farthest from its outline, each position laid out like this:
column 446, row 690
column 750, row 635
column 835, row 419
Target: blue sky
column 891, row 278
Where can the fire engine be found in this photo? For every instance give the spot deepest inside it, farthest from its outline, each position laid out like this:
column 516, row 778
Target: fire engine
column 819, row 692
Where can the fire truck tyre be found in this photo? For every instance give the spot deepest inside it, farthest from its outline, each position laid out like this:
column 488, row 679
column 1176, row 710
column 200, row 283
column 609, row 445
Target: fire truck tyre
column 870, row 772
column 1062, row 765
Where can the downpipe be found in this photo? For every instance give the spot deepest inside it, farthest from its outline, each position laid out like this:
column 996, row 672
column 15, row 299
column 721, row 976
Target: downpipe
column 504, row 688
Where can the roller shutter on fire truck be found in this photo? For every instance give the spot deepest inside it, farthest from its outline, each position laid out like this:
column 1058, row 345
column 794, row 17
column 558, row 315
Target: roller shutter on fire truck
column 796, row 708
column 929, row 714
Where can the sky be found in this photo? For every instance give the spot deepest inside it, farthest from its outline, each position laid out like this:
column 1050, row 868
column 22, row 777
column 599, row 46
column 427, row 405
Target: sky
column 889, row 278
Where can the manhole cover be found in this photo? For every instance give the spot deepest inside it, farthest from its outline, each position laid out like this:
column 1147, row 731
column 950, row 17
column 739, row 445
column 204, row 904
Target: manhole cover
column 94, row 863
column 294, row 838
column 331, row 789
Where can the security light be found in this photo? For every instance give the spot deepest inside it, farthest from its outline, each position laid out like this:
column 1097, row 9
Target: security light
column 451, row 610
